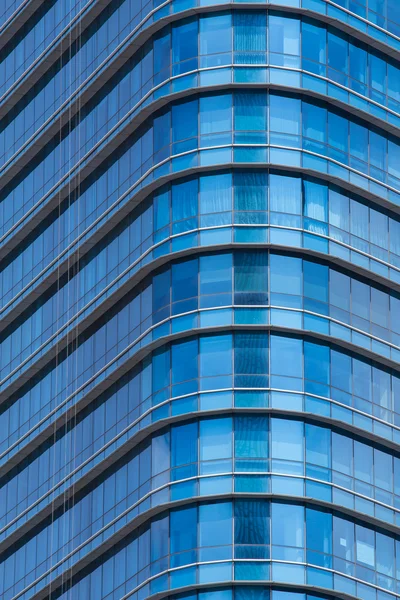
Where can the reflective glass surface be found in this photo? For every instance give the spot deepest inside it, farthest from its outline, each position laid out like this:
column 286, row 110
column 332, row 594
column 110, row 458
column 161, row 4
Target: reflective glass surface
column 246, row 279
column 252, row 539
column 323, row 51
column 251, row 202
column 246, row 124
column 252, row 447
column 347, row 379
column 34, row 37
column 200, row 300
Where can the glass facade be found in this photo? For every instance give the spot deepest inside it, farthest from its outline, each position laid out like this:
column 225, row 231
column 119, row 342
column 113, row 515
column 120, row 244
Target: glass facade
column 200, row 300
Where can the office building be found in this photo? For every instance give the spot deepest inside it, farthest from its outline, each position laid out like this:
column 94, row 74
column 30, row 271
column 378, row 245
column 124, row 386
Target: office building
column 200, row 282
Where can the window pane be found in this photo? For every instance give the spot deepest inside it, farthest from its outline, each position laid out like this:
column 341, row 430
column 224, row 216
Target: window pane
column 315, row 281
column 315, row 200
column 319, row 536
column 250, row 190
column 215, row 524
column 285, row 194
column 251, row 522
column 216, row 438
column 250, row 111
column 342, row 454
column 184, row 199
column 215, row 193
column 365, row 546
column 287, row 525
column 215, row 33
column 215, row 355
column 287, row 440
column 284, row 35
column 286, row 356
column 251, row 436
column 314, row 47
column 183, row 529
column 250, row 31
column 216, row 273
column 184, row 444
column 216, row 114
column 285, row 115
column 251, row 353
column 184, row 360
column 343, row 541
column 185, row 280
column 318, row 445
column 184, row 46
column 184, row 120
column 316, row 362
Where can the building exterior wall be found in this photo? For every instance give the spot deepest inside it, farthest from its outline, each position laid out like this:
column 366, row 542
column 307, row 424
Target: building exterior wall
column 200, row 283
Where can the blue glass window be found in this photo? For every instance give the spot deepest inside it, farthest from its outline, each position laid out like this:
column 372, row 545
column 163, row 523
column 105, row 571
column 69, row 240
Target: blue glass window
column 250, row 191
column 318, row 449
column 161, row 295
column 215, row 194
column 285, row 119
column 216, row 119
column 251, row 524
column 319, row 537
column 286, row 357
column 161, row 368
column 359, row 146
column 216, row 275
column 365, row 549
column 316, row 364
column 286, row 276
column 184, row 201
column 215, row 39
column 162, row 57
column 338, row 57
column 162, row 130
column 184, row 361
column 184, row 440
column 250, row 39
column 184, row 46
column 314, row 125
column 185, row 285
column 251, row 278
column 377, row 76
column 215, row 355
column 358, row 68
column 251, row 353
column 216, row 438
column 287, row 442
column 338, row 136
column 285, row 194
column 343, row 544
column 342, row 455
column 251, row 438
column 315, row 199
column 159, row 538
column 161, row 209
column 183, row 535
column 284, row 39
column 339, row 294
column 314, row 47
column 251, row 112
column 184, row 126
column 316, row 283
column 287, row 531
column 215, row 527
column 377, row 154
column 362, row 379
